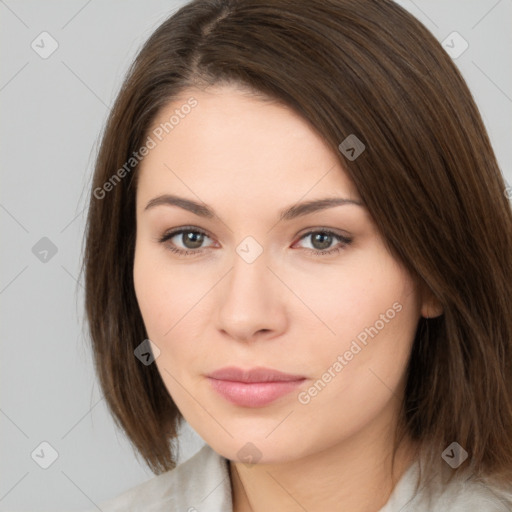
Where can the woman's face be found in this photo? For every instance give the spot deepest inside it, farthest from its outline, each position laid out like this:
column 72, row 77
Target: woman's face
column 258, row 288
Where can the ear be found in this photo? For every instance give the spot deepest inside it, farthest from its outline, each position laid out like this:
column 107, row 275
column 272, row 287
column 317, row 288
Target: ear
column 430, row 306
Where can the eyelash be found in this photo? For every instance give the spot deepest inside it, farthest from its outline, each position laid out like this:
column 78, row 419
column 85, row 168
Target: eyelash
column 345, row 241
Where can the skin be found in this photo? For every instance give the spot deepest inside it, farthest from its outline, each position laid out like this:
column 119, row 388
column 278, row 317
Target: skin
column 289, row 309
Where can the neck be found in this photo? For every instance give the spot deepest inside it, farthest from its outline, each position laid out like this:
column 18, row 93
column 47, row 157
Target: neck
column 355, row 473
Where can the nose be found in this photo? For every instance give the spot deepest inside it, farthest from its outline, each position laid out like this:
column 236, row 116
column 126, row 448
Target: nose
column 251, row 301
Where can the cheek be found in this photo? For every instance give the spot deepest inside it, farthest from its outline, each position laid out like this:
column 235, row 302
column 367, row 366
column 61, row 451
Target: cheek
column 155, row 290
column 173, row 302
column 368, row 288
column 369, row 312
column 359, row 374
column 164, row 300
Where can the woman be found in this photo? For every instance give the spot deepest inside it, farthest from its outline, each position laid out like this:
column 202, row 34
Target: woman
column 299, row 242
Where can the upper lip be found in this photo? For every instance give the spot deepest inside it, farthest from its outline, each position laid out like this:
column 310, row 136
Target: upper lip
column 258, row 374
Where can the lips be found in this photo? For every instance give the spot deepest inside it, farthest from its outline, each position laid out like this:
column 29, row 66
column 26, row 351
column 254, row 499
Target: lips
column 253, row 375
column 255, row 387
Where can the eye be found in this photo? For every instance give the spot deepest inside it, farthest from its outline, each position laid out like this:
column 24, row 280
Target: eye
column 190, row 238
column 321, row 241
column 188, row 241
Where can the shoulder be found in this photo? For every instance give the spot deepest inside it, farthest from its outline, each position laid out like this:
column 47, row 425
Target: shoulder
column 469, row 495
column 202, row 480
column 458, row 496
column 476, row 495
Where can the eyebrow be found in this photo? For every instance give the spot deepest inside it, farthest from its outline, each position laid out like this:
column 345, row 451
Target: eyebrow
column 289, row 213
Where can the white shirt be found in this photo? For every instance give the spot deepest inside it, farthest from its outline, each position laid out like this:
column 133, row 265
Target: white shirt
column 202, row 484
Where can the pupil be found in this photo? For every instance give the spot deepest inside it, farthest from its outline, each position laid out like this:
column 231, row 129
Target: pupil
column 326, row 241
column 196, row 240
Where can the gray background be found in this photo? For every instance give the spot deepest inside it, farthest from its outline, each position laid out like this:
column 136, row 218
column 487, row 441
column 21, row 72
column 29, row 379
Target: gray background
column 53, row 111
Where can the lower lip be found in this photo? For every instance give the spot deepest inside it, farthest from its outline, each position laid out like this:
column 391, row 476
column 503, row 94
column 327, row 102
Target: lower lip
column 253, row 394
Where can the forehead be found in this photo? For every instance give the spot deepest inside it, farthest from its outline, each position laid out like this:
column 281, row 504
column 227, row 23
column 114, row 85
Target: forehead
column 233, row 144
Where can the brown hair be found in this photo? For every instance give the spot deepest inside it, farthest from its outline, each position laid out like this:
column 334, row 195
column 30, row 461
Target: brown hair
column 428, row 177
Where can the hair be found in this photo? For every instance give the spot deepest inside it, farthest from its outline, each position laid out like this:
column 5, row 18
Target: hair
column 428, row 177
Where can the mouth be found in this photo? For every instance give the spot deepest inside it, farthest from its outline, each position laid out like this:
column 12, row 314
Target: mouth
column 254, row 387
